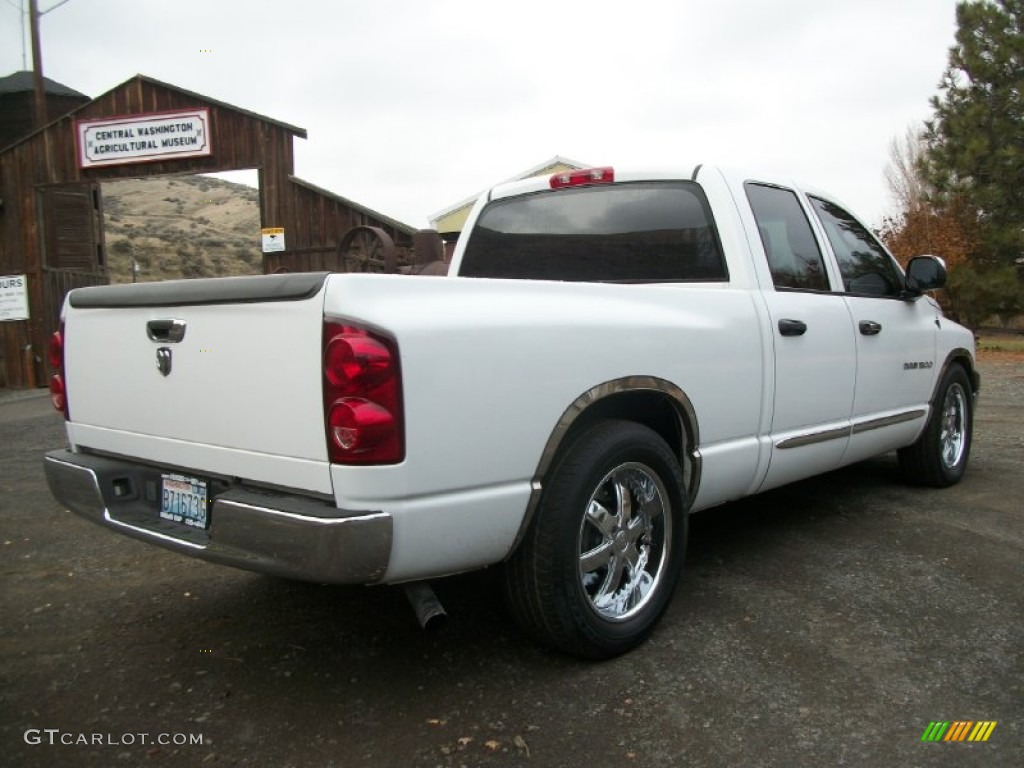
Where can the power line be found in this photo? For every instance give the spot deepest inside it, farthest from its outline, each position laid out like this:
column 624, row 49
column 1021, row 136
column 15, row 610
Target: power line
column 22, row 13
column 54, row 8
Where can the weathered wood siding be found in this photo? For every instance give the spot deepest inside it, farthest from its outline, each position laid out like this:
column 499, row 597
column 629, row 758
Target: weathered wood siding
column 319, row 219
column 48, row 233
column 34, row 177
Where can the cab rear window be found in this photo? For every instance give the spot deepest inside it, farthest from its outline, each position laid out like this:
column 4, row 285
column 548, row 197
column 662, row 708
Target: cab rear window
column 625, row 232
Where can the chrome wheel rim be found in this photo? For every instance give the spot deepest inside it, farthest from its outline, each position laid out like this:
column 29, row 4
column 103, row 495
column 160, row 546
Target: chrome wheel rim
column 953, row 434
column 624, row 541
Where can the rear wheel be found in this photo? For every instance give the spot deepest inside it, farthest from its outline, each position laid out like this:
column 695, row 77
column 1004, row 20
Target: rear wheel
column 939, row 457
column 602, row 555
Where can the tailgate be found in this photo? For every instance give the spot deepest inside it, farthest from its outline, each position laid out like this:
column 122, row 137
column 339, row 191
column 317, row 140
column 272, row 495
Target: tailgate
column 219, row 376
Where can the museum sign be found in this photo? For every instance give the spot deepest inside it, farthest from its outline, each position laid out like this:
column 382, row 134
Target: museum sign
column 143, row 139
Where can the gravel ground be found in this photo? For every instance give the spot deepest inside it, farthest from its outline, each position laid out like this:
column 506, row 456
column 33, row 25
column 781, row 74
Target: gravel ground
column 825, row 623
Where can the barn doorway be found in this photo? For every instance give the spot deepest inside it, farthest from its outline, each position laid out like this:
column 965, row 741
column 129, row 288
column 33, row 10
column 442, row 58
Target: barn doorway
column 176, row 226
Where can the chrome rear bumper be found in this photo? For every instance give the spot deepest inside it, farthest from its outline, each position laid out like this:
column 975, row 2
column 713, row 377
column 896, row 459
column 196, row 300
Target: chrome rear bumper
column 281, row 534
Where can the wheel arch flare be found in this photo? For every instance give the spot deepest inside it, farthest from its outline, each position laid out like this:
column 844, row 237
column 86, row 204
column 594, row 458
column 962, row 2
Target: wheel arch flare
column 654, row 402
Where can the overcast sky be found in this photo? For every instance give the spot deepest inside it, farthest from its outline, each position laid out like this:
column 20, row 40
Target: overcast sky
column 412, row 105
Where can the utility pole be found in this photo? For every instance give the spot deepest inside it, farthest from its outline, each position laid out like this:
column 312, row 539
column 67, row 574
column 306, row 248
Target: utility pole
column 37, row 64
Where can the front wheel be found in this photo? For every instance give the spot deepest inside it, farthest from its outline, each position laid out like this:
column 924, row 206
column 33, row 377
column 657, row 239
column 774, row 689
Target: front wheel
column 604, row 551
column 939, row 457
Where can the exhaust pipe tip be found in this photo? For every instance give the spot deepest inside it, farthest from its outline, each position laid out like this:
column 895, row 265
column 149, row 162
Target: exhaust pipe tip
column 428, row 609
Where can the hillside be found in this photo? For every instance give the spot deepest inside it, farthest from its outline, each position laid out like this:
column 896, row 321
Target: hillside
column 181, row 226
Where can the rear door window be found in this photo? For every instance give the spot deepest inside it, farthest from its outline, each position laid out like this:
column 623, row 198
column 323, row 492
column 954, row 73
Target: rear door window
column 794, row 257
column 624, row 232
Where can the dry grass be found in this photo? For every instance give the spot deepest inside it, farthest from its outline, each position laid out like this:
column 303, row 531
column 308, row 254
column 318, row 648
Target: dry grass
column 1001, row 347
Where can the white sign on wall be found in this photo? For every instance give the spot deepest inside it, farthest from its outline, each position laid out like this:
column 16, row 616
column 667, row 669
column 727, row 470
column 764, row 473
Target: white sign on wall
column 273, row 239
column 14, row 297
column 143, row 139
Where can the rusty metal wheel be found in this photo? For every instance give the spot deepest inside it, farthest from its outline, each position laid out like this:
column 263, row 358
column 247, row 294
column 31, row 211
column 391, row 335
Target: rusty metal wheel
column 433, row 268
column 367, row 249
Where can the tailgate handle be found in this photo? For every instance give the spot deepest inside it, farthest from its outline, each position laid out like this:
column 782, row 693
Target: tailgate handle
column 165, row 331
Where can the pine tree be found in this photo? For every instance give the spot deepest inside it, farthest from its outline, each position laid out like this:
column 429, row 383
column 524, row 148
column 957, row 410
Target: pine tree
column 975, row 141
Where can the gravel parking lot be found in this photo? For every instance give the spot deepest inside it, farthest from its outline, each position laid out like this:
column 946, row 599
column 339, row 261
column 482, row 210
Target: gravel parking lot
column 825, row 623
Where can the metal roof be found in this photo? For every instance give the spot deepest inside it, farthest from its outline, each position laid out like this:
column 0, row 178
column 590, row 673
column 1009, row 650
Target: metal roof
column 556, row 160
column 20, row 82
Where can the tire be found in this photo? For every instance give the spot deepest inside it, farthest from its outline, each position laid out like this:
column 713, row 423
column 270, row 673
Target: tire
column 939, row 457
column 603, row 553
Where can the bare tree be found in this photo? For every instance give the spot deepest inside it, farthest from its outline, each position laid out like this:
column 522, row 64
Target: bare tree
column 907, row 186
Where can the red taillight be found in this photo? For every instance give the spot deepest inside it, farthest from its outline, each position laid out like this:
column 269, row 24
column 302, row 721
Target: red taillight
column 362, row 396
column 579, row 178
column 58, row 392
column 57, row 395
column 352, row 362
column 356, row 423
column 56, row 351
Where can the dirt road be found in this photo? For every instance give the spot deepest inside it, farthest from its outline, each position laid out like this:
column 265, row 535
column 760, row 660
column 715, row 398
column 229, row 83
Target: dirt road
column 826, row 623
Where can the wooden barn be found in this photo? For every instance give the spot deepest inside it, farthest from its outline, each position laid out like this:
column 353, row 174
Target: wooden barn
column 51, row 222
column 17, row 104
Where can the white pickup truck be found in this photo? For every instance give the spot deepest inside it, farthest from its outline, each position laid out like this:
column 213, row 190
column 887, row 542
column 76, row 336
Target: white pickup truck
column 610, row 352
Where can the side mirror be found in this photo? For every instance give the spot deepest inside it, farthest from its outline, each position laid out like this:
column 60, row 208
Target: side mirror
column 925, row 273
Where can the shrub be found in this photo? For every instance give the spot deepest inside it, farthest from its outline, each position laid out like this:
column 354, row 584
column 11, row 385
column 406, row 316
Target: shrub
column 979, row 293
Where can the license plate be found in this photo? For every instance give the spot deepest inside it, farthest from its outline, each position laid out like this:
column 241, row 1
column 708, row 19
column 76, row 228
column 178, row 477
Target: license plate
column 183, row 500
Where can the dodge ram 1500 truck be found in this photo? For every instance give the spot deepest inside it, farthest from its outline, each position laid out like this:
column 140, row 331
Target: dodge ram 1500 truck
column 610, row 352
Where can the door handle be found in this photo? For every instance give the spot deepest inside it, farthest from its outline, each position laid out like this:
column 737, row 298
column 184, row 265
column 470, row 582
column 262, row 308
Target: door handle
column 870, row 327
column 792, row 327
